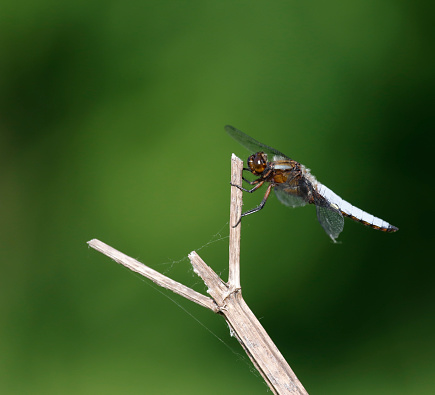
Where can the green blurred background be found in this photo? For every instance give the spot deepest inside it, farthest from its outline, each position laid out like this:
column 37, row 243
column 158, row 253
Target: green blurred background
column 111, row 127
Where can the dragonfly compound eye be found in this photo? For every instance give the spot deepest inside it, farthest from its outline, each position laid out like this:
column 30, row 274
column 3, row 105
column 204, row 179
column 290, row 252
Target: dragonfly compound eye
column 257, row 162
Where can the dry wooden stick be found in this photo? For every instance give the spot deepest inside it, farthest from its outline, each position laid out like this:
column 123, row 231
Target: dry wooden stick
column 226, row 299
column 235, row 213
column 153, row 275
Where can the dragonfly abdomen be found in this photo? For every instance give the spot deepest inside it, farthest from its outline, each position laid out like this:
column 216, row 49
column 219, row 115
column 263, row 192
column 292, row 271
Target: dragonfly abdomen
column 375, row 222
column 353, row 212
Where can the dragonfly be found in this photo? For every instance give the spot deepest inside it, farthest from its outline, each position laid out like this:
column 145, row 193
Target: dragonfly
column 295, row 186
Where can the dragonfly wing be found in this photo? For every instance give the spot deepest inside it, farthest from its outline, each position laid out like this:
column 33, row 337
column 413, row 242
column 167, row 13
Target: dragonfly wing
column 253, row 145
column 287, row 198
column 331, row 220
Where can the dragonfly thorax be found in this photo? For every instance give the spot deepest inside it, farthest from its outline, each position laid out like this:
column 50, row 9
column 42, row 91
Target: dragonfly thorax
column 257, row 163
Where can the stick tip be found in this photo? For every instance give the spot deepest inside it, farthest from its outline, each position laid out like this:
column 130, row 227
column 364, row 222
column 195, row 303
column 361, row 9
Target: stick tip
column 93, row 242
column 236, row 162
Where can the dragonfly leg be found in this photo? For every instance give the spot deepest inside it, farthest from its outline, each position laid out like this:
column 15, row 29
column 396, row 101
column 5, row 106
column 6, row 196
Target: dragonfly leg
column 251, row 182
column 260, row 206
column 257, row 182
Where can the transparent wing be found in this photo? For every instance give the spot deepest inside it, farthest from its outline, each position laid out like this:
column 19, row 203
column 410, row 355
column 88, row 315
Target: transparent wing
column 287, row 198
column 331, row 220
column 251, row 144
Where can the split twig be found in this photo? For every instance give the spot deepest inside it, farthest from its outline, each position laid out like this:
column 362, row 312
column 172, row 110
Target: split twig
column 226, row 298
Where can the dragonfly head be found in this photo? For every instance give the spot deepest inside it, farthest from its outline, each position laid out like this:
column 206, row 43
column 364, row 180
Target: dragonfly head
column 257, row 163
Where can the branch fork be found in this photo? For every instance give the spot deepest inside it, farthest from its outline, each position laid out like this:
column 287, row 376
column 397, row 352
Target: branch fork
column 226, row 298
